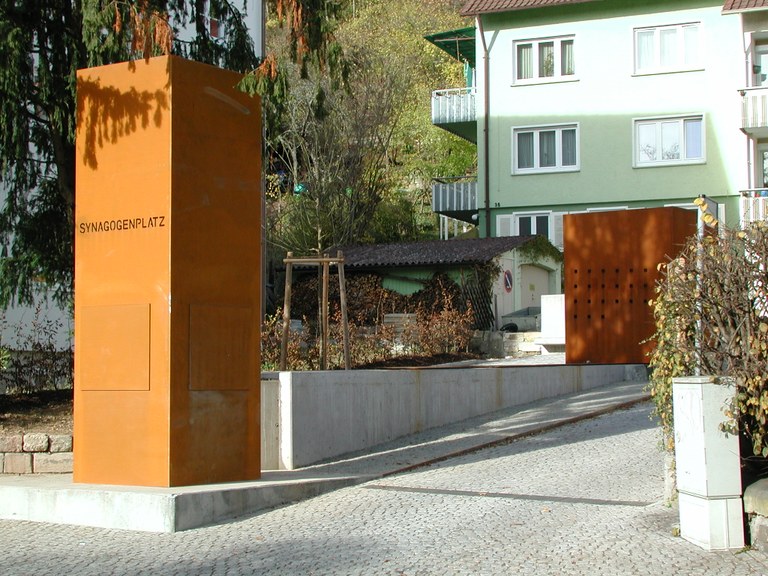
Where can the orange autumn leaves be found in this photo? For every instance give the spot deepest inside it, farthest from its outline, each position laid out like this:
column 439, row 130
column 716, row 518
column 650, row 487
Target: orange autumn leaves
column 151, row 31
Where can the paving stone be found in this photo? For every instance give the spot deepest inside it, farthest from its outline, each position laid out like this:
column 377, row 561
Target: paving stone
column 56, row 463
column 17, row 463
column 11, row 443
column 60, row 443
column 585, row 499
column 35, row 442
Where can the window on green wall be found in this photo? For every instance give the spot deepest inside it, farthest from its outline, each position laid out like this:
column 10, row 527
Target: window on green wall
column 549, row 224
column 672, row 48
column 669, row 140
column 551, row 148
column 533, row 224
column 524, row 224
column 544, row 60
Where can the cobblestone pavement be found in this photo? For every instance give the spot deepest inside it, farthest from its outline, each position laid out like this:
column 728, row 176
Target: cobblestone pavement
column 582, row 499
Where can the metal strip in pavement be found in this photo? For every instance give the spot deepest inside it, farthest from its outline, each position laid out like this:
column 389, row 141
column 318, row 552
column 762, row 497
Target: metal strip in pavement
column 483, row 494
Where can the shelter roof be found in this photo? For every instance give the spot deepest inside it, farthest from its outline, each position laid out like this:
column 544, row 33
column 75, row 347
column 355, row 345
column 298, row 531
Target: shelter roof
column 458, row 43
column 430, row 252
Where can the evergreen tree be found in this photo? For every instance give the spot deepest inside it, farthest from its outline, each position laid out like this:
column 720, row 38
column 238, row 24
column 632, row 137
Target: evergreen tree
column 42, row 45
column 44, row 42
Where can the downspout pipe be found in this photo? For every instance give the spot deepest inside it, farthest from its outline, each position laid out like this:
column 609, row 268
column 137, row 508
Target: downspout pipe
column 486, row 114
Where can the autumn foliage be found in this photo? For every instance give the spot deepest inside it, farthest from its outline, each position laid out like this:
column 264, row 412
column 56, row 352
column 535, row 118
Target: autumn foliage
column 441, row 325
column 711, row 316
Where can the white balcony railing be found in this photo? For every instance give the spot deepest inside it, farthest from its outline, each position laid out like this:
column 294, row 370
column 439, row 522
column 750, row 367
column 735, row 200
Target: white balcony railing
column 454, row 195
column 453, row 105
column 753, row 205
column 754, row 108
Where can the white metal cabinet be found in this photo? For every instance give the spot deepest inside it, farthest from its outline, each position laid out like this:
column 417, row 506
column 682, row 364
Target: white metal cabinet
column 708, row 465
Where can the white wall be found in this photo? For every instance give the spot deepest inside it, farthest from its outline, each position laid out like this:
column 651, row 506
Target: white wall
column 18, row 324
column 547, row 281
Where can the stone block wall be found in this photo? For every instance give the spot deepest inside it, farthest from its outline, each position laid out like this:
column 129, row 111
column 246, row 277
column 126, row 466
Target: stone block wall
column 36, row 453
column 505, row 344
column 756, row 512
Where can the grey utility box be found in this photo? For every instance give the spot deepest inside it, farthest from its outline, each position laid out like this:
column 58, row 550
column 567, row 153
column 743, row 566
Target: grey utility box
column 708, row 465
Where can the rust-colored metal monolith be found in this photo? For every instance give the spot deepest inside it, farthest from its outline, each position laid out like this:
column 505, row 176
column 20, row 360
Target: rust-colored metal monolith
column 167, row 276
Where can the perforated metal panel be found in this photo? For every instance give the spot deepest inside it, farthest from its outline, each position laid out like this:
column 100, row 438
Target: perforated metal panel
column 611, row 261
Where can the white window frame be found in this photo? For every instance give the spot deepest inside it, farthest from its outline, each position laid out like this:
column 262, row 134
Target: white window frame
column 606, row 209
column 638, row 160
column 679, row 65
column 759, row 75
column 211, row 23
column 761, row 174
column 691, row 206
column 557, row 75
column 601, row 209
column 537, row 168
column 512, row 223
column 534, row 228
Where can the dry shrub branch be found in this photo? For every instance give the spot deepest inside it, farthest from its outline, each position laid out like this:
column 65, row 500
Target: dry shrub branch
column 711, row 317
column 437, row 332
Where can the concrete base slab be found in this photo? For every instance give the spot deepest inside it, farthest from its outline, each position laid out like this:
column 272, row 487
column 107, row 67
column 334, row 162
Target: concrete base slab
column 56, row 499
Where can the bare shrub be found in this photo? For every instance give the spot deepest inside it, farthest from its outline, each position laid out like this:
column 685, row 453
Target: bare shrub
column 34, row 361
column 711, row 318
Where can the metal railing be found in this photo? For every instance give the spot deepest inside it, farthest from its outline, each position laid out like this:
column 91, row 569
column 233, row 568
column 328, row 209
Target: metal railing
column 453, row 105
column 753, row 205
column 754, row 107
column 454, row 194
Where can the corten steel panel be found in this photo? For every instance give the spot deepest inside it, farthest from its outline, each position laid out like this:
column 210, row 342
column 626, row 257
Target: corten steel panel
column 611, row 261
column 119, row 359
column 168, row 221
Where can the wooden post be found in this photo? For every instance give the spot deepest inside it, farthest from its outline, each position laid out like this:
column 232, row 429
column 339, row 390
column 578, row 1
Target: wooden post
column 323, row 264
column 320, row 334
column 343, row 301
column 324, row 319
column 286, row 311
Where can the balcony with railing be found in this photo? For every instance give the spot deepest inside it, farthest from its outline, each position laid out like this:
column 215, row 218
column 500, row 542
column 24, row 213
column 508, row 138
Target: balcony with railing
column 455, row 197
column 753, row 205
column 454, row 110
column 754, row 111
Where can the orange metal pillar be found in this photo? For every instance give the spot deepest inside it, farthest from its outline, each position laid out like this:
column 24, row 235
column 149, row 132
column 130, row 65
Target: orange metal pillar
column 167, row 276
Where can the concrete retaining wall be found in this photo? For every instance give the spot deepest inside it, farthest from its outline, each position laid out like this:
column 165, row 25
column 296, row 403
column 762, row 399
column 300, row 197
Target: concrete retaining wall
column 308, row 417
column 312, row 416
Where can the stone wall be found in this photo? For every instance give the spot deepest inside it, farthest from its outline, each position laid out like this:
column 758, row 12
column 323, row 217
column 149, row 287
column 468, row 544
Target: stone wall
column 756, row 512
column 36, row 453
column 505, row 344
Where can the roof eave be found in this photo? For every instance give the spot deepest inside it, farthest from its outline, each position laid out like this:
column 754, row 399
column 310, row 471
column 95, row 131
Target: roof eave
column 476, row 13
column 742, row 10
column 498, row 9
